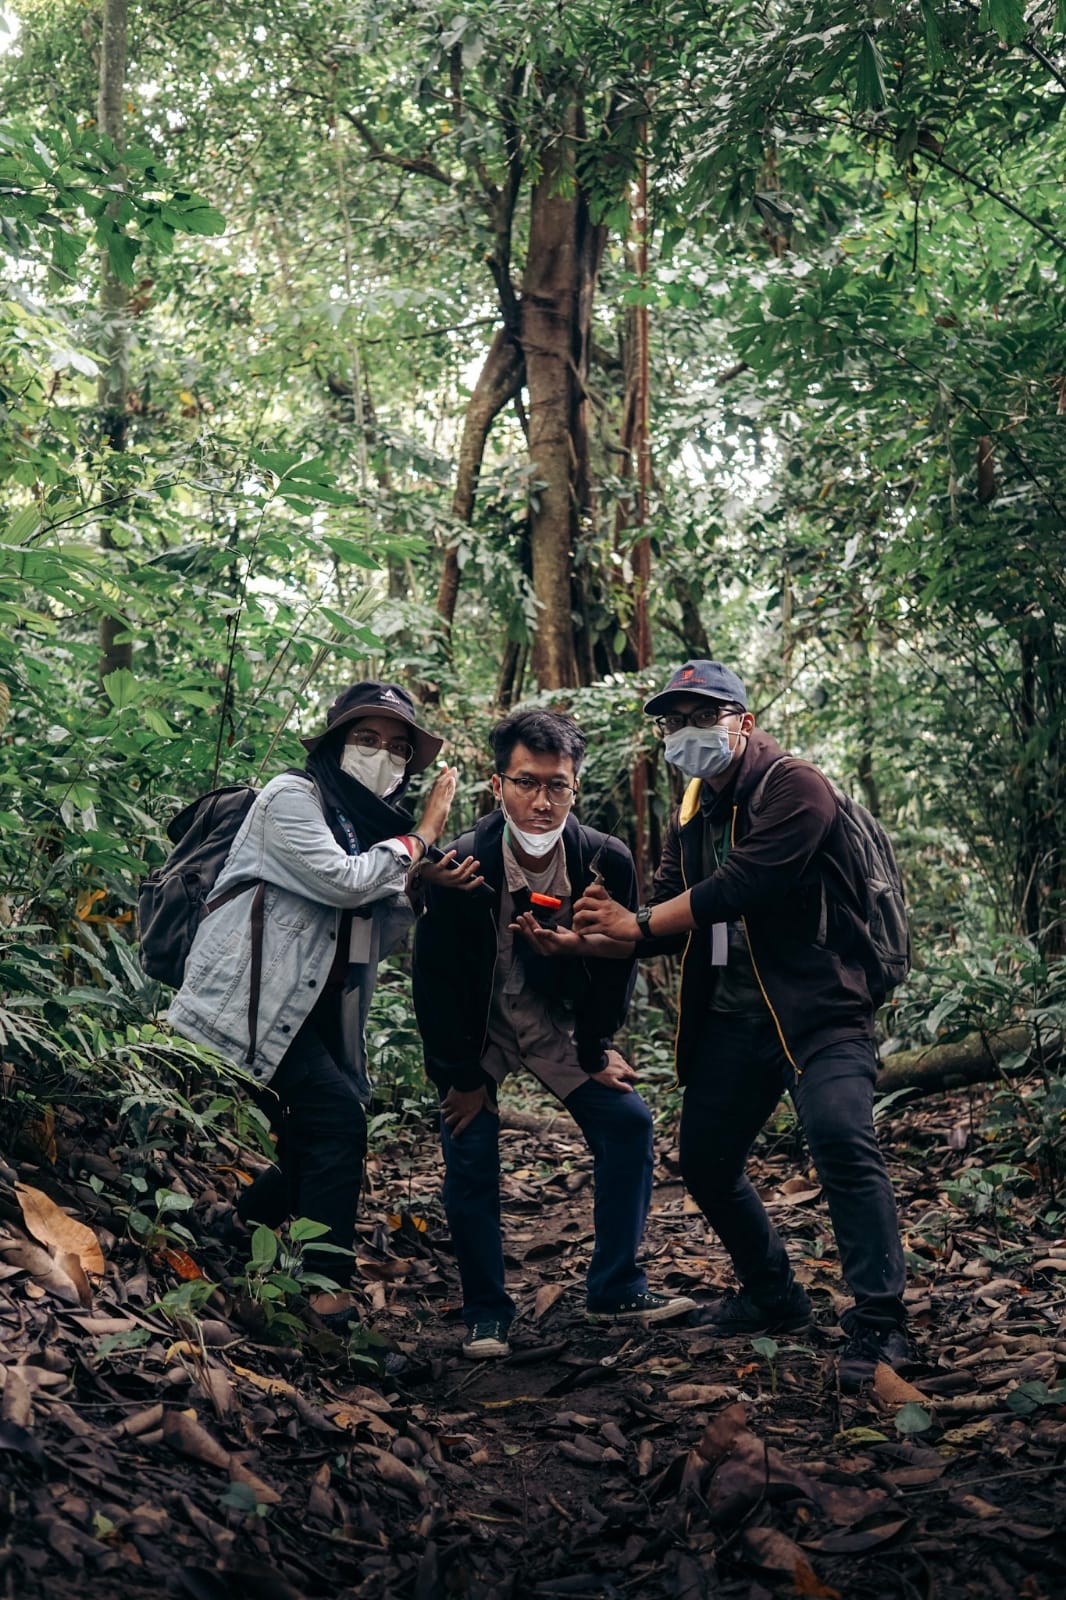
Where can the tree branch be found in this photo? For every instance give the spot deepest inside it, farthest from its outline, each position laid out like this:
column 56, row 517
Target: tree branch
column 421, row 166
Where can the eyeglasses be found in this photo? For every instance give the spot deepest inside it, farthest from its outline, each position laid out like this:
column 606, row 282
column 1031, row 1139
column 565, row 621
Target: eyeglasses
column 367, row 740
column 673, row 722
column 559, row 792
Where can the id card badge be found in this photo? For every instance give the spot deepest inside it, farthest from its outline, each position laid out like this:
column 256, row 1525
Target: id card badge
column 359, row 943
column 719, row 944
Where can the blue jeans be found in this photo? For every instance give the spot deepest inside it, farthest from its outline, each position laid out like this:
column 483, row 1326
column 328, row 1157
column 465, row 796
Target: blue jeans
column 732, row 1093
column 617, row 1129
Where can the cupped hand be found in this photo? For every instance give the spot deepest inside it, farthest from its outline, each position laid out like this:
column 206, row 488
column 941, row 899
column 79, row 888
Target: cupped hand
column 547, row 941
column 437, row 806
column 447, row 873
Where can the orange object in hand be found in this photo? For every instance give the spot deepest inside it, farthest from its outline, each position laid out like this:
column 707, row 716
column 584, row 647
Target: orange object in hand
column 547, row 900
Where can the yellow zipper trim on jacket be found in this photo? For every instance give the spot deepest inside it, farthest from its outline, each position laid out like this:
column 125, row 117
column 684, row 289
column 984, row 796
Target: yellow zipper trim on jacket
column 690, row 804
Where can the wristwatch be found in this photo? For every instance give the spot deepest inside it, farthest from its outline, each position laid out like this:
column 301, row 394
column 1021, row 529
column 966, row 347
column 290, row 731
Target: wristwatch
column 644, row 921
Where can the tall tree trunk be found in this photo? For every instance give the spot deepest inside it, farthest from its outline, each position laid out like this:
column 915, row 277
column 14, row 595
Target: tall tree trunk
column 113, row 386
column 499, row 380
column 562, row 267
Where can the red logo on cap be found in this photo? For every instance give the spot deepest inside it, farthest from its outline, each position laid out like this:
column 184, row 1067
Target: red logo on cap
column 686, row 673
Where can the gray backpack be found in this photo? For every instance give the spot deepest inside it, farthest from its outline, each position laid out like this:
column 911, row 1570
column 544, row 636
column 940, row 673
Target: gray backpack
column 884, row 911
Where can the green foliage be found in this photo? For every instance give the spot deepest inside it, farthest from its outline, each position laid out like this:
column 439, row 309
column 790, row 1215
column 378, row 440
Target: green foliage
column 858, row 254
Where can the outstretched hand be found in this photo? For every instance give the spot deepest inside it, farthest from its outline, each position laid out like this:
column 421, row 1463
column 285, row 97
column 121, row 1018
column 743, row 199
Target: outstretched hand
column 596, row 912
column 448, row 873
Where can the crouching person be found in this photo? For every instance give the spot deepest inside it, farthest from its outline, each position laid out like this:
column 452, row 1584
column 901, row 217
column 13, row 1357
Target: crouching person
column 502, row 983
column 281, row 973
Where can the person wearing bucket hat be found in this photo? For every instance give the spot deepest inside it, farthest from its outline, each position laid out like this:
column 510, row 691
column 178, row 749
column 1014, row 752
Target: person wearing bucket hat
column 761, row 888
column 316, row 879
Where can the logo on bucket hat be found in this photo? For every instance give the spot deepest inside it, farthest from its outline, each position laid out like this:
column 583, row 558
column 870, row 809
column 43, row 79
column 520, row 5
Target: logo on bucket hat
column 708, row 678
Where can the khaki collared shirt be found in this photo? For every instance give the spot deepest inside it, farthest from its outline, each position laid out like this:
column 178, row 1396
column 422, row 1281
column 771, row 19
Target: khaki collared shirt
column 527, row 1029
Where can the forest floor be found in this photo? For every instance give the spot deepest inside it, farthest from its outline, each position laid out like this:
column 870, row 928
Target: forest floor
column 146, row 1455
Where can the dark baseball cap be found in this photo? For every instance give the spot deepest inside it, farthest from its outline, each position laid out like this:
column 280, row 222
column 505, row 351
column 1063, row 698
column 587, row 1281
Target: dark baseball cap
column 708, row 678
column 384, row 699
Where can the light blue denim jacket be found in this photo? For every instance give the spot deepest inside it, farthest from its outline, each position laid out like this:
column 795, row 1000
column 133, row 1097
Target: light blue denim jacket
column 310, row 881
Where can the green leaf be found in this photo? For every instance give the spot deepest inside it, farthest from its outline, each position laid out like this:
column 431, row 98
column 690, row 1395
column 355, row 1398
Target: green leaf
column 1004, row 17
column 765, row 1347
column 264, row 1247
column 349, row 550
column 912, row 1418
column 934, row 42
column 303, row 1229
column 158, row 723
column 122, row 688
column 870, row 80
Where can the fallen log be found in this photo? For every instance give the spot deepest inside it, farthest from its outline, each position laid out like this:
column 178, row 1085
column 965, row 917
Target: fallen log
column 974, row 1059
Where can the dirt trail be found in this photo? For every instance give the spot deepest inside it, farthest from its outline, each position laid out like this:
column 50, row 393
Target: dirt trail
column 146, row 1457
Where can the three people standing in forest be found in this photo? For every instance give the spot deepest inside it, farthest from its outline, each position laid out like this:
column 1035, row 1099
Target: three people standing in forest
column 524, row 956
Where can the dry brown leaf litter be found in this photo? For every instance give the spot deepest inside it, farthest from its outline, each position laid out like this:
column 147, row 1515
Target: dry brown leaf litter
column 203, row 1461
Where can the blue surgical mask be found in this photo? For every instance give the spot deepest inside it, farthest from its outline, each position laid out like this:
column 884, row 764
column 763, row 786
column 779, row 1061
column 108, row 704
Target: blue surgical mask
column 700, row 752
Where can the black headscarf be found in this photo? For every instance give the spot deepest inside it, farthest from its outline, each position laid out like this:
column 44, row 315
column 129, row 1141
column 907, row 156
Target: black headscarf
column 342, row 796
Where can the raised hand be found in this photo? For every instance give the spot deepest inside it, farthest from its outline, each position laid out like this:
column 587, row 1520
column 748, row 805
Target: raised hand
column 438, row 804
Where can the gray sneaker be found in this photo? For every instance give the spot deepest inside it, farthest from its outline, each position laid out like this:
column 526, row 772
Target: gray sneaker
column 643, row 1308
column 487, row 1341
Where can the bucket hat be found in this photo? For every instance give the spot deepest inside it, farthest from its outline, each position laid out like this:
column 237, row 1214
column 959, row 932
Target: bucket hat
column 386, row 699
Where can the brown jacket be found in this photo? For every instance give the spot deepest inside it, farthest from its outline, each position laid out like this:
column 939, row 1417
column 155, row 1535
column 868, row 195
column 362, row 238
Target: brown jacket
column 787, row 875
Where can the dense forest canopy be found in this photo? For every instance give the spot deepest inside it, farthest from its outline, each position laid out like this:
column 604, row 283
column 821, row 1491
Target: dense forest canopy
column 530, row 349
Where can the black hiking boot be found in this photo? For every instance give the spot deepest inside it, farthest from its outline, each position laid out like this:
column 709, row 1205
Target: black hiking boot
column 737, row 1313
column 866, row 1346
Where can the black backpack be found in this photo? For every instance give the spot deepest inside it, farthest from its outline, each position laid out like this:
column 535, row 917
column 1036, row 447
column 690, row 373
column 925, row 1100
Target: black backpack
column 884, row 908
column 175, row 897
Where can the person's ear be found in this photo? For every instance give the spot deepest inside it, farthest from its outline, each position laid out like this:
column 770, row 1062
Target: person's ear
column 747, row 722
column 497, row 787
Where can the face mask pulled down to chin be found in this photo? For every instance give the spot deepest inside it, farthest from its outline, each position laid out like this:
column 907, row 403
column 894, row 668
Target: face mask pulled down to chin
column 377, row 770
column 700, row 752
column 534, row 844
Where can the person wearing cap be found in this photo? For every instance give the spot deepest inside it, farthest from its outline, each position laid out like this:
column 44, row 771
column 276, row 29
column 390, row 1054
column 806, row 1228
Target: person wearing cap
column 502, row 984
column 774, row 995
column 333, row 846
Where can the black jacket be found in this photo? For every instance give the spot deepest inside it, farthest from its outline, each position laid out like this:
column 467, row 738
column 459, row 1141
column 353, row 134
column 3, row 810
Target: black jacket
column 455, row 947
column 789, row 877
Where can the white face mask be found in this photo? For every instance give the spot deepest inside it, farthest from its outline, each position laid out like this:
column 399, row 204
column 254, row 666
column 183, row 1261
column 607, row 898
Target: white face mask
column 377, row 770
column 701, row 752
column 534, row 844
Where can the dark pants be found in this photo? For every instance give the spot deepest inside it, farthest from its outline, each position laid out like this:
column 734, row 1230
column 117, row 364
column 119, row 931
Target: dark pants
column 618, row 1130
column 321, row 1128
column 733, row 1091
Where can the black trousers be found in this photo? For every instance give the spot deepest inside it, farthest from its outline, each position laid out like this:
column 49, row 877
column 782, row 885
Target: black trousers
column 321, row 1127
column 734, row 1088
